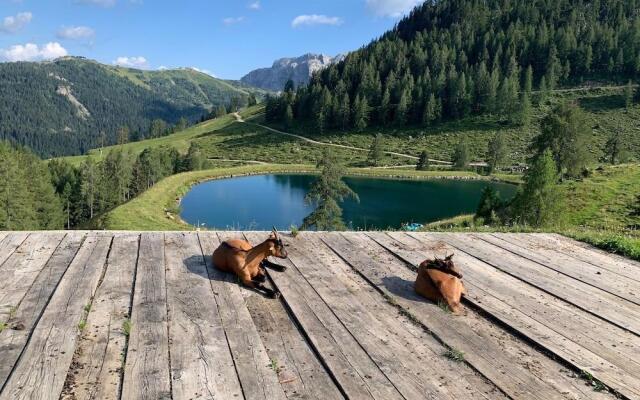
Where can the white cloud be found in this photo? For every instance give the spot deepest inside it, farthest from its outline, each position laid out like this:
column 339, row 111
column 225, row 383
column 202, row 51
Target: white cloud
column 13, row 24
column 392, row 8
column 132, row 62
column 76, row 33
column 255, row 5
column 232, row 20
column 311, row 20
column 315, row 19
column 33, row 52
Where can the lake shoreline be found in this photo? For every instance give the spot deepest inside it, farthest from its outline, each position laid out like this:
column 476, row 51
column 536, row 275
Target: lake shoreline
column 151, row 210
column 413, row 197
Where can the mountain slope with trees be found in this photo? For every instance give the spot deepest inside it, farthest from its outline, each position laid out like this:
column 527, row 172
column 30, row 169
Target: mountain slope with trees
column 71, row 105
column 453, row 58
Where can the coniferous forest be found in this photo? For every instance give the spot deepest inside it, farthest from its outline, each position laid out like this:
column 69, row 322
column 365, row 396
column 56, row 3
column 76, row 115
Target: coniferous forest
column 71, row 105
column 453, row 58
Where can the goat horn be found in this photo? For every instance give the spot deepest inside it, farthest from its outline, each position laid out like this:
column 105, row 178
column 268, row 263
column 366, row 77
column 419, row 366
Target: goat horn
column 275, row 231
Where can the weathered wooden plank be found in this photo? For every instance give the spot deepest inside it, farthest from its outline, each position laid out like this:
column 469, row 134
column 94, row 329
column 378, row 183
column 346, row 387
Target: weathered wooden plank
column 22, row 268
column 299, row 370
column 146, row 372
column 352, row 369
column 521, row 307
column 404, row 352
column 507, row 361
column 598, row 277
column 9, row 244
column 97, row 364
column 14, row 337
column 201, row 362
column 258, row 379
column 3, row 234
column 591, row 299
column 42, row 368
column 584, row 252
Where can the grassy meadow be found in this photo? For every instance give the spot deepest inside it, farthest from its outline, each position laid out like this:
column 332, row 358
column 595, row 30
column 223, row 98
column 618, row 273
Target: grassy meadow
column 599, row 207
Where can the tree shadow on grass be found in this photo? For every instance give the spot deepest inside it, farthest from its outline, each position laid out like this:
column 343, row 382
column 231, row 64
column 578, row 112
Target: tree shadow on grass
column 602, row 103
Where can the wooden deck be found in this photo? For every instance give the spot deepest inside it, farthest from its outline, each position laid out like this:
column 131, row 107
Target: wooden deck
column 104, row 315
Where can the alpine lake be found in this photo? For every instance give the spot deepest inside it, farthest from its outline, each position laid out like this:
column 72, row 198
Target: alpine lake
column 261, row 202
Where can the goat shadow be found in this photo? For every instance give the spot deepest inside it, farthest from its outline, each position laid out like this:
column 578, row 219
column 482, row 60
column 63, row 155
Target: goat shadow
column 195, row 264
column 402, row 288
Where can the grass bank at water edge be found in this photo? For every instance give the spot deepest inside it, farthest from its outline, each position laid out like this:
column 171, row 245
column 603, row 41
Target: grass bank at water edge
column 158, row 207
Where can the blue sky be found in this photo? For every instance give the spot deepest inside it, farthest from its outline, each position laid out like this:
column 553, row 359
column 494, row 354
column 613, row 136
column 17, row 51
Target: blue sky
column 224, row 38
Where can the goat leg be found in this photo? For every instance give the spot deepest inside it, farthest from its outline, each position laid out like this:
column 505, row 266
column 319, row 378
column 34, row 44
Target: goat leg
column 272, row 294
column 259, row 279
column 260, row 288
column 273, row 266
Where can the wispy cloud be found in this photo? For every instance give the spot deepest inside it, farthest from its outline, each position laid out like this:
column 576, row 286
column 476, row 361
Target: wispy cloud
column 14, row 23
column 391, row 8
column 76, row 33
column 255, row 5
column 314, row 19
column 132, row 62
column 33, row 52
column 232, row 20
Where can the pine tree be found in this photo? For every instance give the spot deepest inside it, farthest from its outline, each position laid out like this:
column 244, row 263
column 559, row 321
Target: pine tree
column 461, row 156
column 385, row 107
column 375, row 151
column 526, row 109
column 360, row 113
column 423, row 162
column 400, row 118
column 345, row 112
column 566, row 132
column 89, row 185
column 430, row 114
column 288, row 117
column 194, row 159
column 628, row 95
column 123, row 135
column 490, row 206
column 497, row 152
column 539, row 202
column 326, row 193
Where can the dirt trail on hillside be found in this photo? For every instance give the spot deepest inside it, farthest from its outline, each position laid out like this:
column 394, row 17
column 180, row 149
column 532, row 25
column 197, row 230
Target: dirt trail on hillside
column 342, row 146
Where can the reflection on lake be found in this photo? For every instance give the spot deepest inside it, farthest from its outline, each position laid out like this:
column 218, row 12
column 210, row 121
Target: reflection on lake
column 262, row 201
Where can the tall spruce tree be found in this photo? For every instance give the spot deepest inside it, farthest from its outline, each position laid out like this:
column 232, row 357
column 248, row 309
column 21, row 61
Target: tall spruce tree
column 539, row 201
column 375, row 151
column 461, row 155
column 423, row 162
column 326, row 193
column 497, row 152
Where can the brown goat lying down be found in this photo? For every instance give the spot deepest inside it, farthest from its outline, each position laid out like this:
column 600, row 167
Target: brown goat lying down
column 440, row 280
column 248, row 262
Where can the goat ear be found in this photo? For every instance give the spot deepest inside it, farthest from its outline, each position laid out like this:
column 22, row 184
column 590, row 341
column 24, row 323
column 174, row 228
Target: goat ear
column 449, row 257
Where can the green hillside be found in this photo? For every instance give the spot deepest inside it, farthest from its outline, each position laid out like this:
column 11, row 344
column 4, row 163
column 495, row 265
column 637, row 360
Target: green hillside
column 62, row 107
column 452, row 59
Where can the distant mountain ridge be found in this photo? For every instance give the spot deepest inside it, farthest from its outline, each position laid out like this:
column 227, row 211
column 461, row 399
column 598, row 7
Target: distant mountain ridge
column 62, row 107
column 299, row 69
